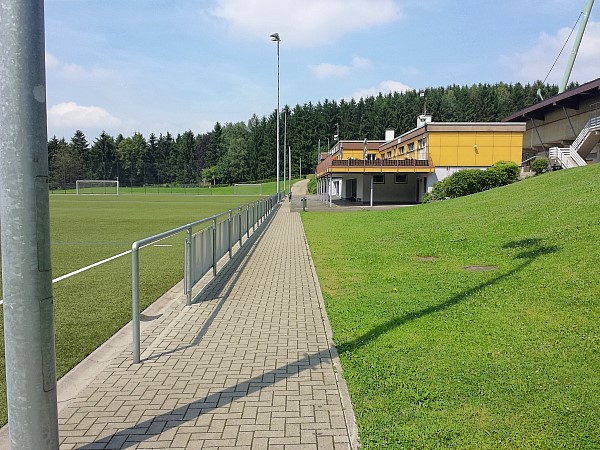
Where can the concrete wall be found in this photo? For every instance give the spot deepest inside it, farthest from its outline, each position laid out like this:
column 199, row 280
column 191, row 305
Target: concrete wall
column 555, row 128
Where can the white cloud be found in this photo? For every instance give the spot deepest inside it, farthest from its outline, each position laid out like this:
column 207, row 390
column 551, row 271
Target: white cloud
column 306, row 22
column 534, row 63
column 70, row 114
column 360, row 63
column 385, row 87
column 326, row 70
column 75, row 72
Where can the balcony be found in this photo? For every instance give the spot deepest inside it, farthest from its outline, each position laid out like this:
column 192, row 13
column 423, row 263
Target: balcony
column 330, row 165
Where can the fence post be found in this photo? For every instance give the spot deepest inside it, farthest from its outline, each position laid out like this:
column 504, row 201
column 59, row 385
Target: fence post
column 214, row 246
column 248, row 221
column 229, row 233
column 135, row 302
column 241, row 231
column 189, row 254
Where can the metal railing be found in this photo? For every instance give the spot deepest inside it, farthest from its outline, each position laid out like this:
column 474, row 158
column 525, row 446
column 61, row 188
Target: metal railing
column 381, row 163
column 223, row 235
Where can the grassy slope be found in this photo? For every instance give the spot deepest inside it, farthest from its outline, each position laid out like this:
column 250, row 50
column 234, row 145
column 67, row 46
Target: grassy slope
column 91, row 306
column 439, row 357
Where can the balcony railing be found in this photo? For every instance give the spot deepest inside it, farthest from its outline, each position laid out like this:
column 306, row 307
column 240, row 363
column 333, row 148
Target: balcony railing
column 380, row 163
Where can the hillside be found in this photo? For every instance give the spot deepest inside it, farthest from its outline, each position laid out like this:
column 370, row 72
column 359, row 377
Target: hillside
column 470, row 323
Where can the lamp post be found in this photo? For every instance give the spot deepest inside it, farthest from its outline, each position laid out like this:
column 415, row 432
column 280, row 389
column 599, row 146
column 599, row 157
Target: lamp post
column 275, row 37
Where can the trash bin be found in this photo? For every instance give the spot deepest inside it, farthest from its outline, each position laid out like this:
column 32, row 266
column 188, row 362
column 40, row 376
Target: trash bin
column 303, row 203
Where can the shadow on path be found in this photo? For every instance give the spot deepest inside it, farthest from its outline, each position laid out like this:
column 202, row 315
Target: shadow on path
column 186, row 413
column 178, row 416
column 215, row 288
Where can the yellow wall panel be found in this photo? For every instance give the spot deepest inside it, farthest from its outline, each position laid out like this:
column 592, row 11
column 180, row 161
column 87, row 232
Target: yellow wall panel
column 484, row 139
column 503, row 140
column 466, row 156
column 448, row 157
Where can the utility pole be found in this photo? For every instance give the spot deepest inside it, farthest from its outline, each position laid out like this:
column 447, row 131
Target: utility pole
column 25, row 227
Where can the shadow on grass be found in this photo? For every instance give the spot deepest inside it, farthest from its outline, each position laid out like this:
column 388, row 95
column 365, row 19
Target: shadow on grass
column 535, row 249
column 143, row 431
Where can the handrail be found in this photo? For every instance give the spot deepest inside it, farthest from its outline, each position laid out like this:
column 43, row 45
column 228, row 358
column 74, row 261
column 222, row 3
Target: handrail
column 265, row 206
column 380, row 162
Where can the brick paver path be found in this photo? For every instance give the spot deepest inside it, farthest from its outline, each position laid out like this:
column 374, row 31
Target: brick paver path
column 250, row 365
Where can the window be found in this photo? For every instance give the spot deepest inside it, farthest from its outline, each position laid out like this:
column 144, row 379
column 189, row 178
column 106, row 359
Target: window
column 422, row 143
column 379, row 179
column 411, row 147
column 389, row 155
column 402, row 150
column 400, row 178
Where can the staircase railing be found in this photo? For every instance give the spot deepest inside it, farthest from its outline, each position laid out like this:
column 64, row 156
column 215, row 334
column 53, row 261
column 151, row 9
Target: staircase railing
column 569, row 157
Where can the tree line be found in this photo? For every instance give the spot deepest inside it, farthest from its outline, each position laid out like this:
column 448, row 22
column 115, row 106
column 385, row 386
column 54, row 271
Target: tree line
column 246, row 151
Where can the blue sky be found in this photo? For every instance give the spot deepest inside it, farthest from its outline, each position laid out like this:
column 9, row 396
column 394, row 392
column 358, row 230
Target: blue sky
column 146, row 66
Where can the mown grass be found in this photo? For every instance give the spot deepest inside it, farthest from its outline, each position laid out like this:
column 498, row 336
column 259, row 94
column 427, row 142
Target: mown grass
column 91, row 306
column 437, row 356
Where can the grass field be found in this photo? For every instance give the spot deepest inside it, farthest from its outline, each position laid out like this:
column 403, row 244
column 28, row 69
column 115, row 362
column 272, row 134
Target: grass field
column 91, row 306
column 438, row 356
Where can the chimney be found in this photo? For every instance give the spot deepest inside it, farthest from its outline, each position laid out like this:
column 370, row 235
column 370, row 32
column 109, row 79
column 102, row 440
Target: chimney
column 389, row 134
column 423, row 119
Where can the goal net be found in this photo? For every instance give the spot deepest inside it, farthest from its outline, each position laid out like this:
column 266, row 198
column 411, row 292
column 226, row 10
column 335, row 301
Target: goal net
column 97, row 186
column 247, row 189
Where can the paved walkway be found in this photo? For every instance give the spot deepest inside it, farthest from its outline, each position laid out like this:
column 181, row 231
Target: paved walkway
column 250, row 365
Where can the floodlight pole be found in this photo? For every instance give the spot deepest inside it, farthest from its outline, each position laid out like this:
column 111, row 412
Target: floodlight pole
column 586, row 15
column 284, row 150
column 275, row 37
column 25, row 227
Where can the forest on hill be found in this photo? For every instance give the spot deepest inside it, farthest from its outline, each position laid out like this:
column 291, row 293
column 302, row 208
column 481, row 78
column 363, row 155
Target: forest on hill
column 241, row 152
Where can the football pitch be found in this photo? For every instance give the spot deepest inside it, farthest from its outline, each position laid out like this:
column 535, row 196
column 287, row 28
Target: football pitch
column 91, row 305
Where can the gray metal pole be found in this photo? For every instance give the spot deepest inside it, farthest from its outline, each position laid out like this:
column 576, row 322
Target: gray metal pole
column 571, row 62
column 135, row 302
column 25, row 227
column 284, row 150
column 275, row 37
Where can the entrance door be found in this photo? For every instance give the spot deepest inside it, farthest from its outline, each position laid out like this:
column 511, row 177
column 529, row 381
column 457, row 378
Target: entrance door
column 351, row 189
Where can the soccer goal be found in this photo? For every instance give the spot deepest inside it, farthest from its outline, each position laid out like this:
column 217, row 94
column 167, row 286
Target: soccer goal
column 97, row 186
column 247, row 189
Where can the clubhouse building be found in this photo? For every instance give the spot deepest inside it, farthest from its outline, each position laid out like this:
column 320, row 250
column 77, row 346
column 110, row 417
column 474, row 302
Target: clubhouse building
column 403, row 169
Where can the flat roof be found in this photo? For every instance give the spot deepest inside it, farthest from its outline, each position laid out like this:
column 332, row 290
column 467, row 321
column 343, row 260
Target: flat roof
column 570, row 99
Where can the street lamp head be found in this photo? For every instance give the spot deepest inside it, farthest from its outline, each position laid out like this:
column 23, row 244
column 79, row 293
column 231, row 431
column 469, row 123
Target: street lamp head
column 275, row 37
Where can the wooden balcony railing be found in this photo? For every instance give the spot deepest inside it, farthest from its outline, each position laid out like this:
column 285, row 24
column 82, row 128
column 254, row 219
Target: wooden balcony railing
column 361, row 163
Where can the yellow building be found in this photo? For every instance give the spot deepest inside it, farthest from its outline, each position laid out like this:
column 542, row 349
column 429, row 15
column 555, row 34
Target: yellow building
column 402, row 169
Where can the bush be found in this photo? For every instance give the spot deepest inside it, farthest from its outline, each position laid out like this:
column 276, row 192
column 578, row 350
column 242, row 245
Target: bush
column 471, row 181
column 539, row 165
column 465, row 182
column 437, row 193
column 503, row 173
column 312, row 186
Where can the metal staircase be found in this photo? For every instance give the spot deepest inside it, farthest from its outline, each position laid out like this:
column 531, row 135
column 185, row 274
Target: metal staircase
column 572, row 156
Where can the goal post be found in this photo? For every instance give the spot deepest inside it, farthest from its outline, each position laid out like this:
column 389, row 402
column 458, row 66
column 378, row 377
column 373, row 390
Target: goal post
column 247, row 189
column 97, row 187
